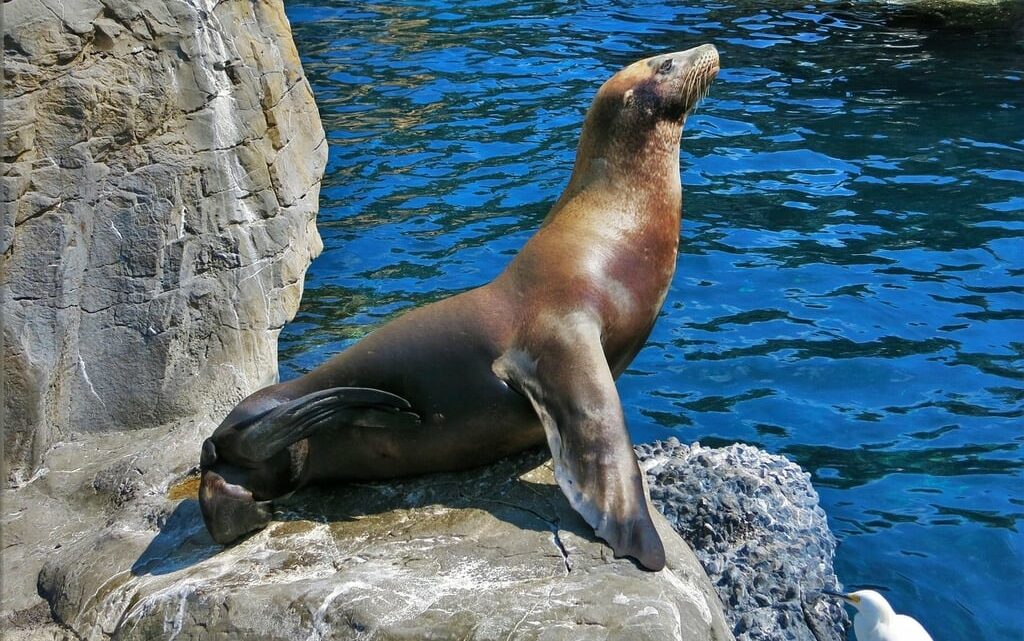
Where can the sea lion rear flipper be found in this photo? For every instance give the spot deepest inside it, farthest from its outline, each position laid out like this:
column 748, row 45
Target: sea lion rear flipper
column 297, row 419
column 573, row 392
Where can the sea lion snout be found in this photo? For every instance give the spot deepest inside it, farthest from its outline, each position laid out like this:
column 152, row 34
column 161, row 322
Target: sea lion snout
column 687, row 74
column 704, row 62
column 681, row 61
column 660, row 88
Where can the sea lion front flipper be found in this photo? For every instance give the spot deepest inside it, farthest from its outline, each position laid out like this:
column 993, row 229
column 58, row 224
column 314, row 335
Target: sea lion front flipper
column 297, row 419
column 571, row 387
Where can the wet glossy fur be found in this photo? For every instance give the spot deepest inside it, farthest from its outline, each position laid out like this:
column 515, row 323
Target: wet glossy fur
column 530, row 357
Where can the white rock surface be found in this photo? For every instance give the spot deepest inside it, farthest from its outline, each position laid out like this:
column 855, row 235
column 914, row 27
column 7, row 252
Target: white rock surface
column 162, row 162
column 492, row 554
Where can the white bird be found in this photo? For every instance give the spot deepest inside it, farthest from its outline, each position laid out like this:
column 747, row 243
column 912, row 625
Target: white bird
column 875, row 619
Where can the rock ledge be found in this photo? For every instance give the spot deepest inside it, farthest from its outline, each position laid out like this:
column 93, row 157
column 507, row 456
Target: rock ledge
column 495, row 553
column 754, row 522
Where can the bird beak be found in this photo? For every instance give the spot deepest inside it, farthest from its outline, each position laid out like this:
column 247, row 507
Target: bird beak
column 846, row 597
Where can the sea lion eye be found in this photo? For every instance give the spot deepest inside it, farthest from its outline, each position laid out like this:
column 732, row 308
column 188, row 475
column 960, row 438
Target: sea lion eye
column 665, row 66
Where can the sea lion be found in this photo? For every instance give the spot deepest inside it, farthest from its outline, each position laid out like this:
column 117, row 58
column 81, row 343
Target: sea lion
column 531, row 356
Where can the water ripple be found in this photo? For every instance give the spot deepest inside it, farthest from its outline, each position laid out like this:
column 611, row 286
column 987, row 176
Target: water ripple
column 849, row 290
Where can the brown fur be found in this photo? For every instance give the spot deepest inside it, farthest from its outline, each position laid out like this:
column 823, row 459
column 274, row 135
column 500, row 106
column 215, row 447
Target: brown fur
column 529, row 357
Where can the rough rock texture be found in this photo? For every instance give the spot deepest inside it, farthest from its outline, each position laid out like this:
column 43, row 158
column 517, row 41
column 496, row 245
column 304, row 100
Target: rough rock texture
column 754, row 522
column 88, row 484
column 162, row 161
column 112, row 531
column 958, row 15
column 495, row 553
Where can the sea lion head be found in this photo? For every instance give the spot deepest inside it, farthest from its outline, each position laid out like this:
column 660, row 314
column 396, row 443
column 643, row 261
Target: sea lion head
column 657, row 89
column 634, row 124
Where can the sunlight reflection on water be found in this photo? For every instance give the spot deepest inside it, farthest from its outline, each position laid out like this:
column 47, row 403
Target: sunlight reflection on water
column 849, row 288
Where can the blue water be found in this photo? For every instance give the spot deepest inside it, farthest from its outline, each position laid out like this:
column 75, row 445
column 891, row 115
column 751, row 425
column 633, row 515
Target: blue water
column 850, row 288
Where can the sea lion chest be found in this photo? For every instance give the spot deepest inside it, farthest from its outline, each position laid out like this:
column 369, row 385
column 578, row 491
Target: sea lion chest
column 619, row 274
column 635, row 281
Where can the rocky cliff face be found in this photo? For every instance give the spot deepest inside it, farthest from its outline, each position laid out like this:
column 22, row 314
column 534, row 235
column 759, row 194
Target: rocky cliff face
column 162, row 161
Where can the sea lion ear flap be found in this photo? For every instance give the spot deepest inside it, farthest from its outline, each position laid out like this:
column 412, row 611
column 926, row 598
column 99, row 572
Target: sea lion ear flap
column 302, row 417
column 572, row 390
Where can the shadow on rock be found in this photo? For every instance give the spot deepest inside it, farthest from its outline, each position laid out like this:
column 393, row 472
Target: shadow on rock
column 441, row 556
column 182, row 542
column 503, row 489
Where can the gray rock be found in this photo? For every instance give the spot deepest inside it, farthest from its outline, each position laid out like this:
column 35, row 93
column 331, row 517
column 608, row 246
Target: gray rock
column 754, row 522
column 496, row 553
column 958, row 15
column 103, row 480
column 120, row 550
column 162, row 161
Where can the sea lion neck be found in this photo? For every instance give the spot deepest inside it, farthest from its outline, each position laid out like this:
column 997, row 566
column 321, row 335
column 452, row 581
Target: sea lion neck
column 628, row 152
column 639, row 162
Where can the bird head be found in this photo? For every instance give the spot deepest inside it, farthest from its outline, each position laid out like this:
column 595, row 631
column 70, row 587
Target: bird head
column 867, row 602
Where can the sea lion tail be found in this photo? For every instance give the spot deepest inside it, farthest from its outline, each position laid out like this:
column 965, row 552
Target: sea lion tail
column 232, row 497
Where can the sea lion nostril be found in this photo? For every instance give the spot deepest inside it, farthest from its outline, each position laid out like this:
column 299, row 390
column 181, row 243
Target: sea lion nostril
column 666, row 66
